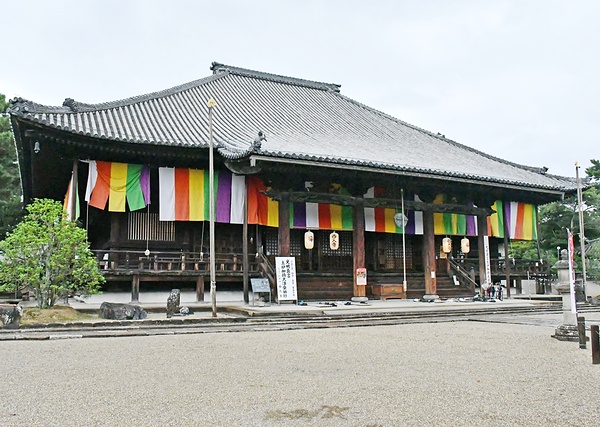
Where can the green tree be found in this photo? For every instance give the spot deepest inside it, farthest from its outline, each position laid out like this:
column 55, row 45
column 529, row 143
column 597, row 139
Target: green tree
column 48, row 255
column 10, row 184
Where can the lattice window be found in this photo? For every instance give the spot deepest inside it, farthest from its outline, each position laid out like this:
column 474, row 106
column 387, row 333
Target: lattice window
column 394, row 252
column 146, row 226
column 345, row 244
column 340, row 259
column 271, row 241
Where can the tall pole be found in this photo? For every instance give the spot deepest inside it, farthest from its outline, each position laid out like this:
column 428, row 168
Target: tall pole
column 211, row 183
column 404, row 223
column 581, row 227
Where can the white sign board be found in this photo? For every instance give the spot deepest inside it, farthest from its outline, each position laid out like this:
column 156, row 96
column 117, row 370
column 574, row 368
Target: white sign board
column 285, row 268
column 488, row 267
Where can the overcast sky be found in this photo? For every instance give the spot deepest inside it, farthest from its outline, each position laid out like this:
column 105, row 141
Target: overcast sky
column 517, row 79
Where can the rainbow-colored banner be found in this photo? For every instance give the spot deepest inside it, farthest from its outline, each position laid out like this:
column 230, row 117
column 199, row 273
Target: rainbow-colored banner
column 321, row 216
column 522, row 220
column 262, row 210
column 496, row 221
column 185, row 195
column 117, row 183
column 381, row 220
column 453, row 224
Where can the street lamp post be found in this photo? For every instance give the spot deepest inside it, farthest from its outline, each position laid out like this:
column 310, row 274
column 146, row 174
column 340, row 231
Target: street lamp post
column 211, row 183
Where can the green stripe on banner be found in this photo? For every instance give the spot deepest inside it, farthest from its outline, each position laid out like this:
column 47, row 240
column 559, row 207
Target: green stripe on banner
column 135, row 197
column 207, row 194
column 347, row 217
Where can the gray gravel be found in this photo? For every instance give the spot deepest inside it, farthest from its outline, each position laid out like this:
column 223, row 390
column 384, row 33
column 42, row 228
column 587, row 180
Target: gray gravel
column 438, row 374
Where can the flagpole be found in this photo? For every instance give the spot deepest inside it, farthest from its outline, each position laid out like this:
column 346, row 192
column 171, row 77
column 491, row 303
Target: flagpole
column 581, row 226
column 211, row 183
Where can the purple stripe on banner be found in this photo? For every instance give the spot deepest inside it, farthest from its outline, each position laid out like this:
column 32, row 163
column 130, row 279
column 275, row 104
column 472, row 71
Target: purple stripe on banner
column 471, row 222
column 224, row 197
column 507, row 207
column 299, row 214
column 410, row 226
column 145, row 183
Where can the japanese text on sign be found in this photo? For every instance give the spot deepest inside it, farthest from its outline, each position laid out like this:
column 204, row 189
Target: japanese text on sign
column 286, row 278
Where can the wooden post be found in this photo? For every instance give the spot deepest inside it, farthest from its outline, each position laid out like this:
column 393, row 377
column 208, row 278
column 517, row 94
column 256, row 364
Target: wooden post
column 595, row 338
column 135, row 288
column 200, row 289
column 507, row 265
column 482, row 229
column 245, row 260
column 358, row 248
column 581, row 331
column 284, row 226
column 429, row 252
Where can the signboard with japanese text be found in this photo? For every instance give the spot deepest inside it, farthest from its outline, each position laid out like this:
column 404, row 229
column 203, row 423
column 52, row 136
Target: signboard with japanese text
column 285, row 268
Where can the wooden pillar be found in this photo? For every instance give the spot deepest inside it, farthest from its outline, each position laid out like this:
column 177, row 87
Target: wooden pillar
column 482, row 229
column 200, row 288
column 507, row 264
column 135, row 288
column 284, row 227
column 358, row 248
column 429, row 252
column 245, row 260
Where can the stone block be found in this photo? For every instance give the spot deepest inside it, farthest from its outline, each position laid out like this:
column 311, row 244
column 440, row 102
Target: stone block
column 121, row 311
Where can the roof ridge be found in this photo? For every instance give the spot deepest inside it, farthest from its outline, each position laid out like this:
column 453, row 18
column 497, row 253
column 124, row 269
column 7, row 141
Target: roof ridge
column 70, row 105
column 536, row 169
column 219, row 68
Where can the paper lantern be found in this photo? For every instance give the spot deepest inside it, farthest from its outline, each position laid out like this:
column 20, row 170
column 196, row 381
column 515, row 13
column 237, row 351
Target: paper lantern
column 334, row 241
column 465, row 245
column 309, row 239
column 447, row 245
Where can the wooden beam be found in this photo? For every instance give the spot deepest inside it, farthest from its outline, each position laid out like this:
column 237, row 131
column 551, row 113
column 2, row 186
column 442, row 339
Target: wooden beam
column 345, row 200
column 358, row 248
column 482, row 229
column 429, row 251
column 284, row 227
column 245, row 260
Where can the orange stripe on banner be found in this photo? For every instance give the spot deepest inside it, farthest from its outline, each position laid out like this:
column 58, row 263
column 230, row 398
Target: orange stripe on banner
column 263, row 205
column 324, row 216
column 380, row 220
column 102, row 188
column 520, row 218
column 182, row 194
column 252, row 200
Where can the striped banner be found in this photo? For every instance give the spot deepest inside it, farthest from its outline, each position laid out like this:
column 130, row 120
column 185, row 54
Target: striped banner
column 321, row 216
column 184, row 195
column 67, row 204
column 262, row 210
column 381, row 220
column 117, row 183
column 496, row 221
column 522, row 220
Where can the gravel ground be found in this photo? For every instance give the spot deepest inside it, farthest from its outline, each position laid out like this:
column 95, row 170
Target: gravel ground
column 436, row 374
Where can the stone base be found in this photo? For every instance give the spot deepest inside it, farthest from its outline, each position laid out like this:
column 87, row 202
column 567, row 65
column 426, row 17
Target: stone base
column 359, row 299
column 566, row 333
column 430, row 298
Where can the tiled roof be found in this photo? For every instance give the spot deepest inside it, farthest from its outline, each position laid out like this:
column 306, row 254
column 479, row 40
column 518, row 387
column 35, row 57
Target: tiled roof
column 302, row 120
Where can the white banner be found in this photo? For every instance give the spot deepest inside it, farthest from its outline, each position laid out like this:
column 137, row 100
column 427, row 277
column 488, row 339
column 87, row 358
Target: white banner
column 285, row 268
column 488, row 267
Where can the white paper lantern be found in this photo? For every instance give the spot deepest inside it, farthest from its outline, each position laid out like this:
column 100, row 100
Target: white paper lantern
column 465, row 245
column 334, row 241
column 447, row 245
column 309, row 240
